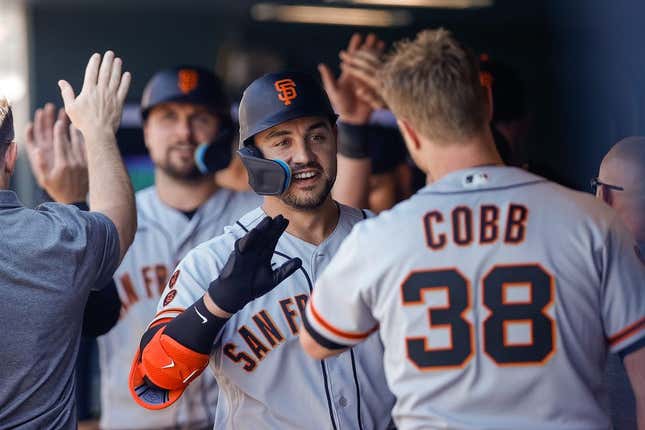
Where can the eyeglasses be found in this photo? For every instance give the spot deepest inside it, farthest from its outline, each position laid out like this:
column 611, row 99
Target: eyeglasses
column 595, row 182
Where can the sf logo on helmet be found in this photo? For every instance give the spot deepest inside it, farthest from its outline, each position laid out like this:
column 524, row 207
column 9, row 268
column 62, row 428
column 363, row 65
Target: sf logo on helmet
column 286, row 89
column 187, row 80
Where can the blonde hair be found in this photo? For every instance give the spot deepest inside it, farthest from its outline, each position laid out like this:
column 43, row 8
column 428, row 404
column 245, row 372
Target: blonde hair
column 433, row 82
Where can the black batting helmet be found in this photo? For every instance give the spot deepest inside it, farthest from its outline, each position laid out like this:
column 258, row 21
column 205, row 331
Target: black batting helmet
column 271, row 100
column 279, row 97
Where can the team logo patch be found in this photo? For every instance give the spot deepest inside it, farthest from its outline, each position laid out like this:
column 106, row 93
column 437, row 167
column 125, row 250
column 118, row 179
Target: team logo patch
column 169, row 297
column 286, row 89
column 173, row 279
column 187, row 80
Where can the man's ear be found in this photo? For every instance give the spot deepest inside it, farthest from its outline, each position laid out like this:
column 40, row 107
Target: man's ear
column 10, row 156
column 410, row 135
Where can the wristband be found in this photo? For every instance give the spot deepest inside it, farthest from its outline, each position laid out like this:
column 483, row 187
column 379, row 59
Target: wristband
column 353, row 140
column 196, row 328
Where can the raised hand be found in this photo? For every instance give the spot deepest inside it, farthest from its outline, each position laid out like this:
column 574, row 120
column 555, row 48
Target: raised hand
column 98, row 107
column 344, row 91
column 363, row 66
column 56, row 152
column 248, row 274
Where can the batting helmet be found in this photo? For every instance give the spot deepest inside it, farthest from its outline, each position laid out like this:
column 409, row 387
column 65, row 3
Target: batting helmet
column 271, row 100
column 189, row 84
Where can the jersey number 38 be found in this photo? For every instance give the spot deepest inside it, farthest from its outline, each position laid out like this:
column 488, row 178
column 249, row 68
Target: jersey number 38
column 501, row 312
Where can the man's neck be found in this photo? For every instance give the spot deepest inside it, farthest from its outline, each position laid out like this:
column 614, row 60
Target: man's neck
column 184, row 195
column 312, row 226
column 443, row 159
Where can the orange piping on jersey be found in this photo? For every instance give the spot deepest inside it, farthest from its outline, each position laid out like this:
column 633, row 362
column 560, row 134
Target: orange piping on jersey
column 627, row 332
column 456, row 227
column 163, row 311
column 504, row 337
column 544, row 312
column 338, row 332
column 159, row 322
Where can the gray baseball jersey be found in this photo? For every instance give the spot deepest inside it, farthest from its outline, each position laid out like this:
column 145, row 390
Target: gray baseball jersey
column 266, row 380
column 164, row 236
column 497, row 295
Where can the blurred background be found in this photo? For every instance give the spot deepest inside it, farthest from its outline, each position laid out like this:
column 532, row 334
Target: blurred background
column 578, row 64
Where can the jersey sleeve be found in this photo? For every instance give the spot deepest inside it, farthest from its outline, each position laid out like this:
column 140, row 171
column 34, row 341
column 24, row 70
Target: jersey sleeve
column 338, row 313
column 188, row 283
column 623, row 294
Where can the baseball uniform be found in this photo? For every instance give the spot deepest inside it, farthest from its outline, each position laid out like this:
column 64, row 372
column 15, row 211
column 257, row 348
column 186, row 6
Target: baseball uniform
column 164, row 236
column 497, row 295
column 266, row 380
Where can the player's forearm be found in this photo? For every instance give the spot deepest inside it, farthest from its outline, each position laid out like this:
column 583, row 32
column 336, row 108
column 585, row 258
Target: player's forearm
column 314, row 349
column 635, row 366
column 352, row 181
column 109, row 185
column 354, row 165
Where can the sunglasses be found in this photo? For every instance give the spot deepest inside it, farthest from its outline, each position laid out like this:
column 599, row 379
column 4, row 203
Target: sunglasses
column 595, row 183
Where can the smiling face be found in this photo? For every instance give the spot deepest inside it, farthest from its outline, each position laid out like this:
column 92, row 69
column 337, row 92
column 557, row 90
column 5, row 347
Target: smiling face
column 173, row 131
column 308, row 146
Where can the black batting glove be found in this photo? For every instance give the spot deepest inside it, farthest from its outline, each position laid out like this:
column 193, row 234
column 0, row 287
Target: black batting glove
column 248, row 274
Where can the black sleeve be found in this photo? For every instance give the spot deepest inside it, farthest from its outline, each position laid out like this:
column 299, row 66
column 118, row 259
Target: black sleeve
column 101, row 311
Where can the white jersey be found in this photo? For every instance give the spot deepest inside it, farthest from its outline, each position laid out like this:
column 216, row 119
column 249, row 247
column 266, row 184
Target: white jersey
column 497, row 295
column 164, row 236
column 266, row 380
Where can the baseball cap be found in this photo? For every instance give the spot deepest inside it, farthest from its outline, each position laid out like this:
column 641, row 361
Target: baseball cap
column 185, row 84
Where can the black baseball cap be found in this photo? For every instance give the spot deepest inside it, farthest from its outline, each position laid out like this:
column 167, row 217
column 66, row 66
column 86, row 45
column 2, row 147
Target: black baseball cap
column 185, row 84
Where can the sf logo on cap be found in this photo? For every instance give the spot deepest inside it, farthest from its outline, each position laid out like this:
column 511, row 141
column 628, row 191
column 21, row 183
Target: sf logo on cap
column 286, row 89
column 187, row 80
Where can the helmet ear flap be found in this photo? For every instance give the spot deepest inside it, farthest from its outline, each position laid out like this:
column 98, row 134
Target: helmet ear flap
column 266, row 177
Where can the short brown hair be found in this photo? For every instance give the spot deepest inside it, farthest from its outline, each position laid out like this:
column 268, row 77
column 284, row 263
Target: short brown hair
column 433, row 82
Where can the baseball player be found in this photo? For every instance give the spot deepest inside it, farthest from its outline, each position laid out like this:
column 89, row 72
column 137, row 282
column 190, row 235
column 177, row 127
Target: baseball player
column 236, row 301
column 184, row 112
column 497, row 293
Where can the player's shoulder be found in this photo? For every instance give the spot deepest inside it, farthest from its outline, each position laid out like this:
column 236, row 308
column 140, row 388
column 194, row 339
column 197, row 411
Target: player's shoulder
column 146, row 200
column 69, row 216
column 577, row 206
column 234, row 198
column 386, row 222
column 353, row 215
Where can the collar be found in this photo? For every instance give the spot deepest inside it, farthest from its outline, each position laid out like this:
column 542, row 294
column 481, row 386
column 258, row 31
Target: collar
column 9, row 199
column 481, row 178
